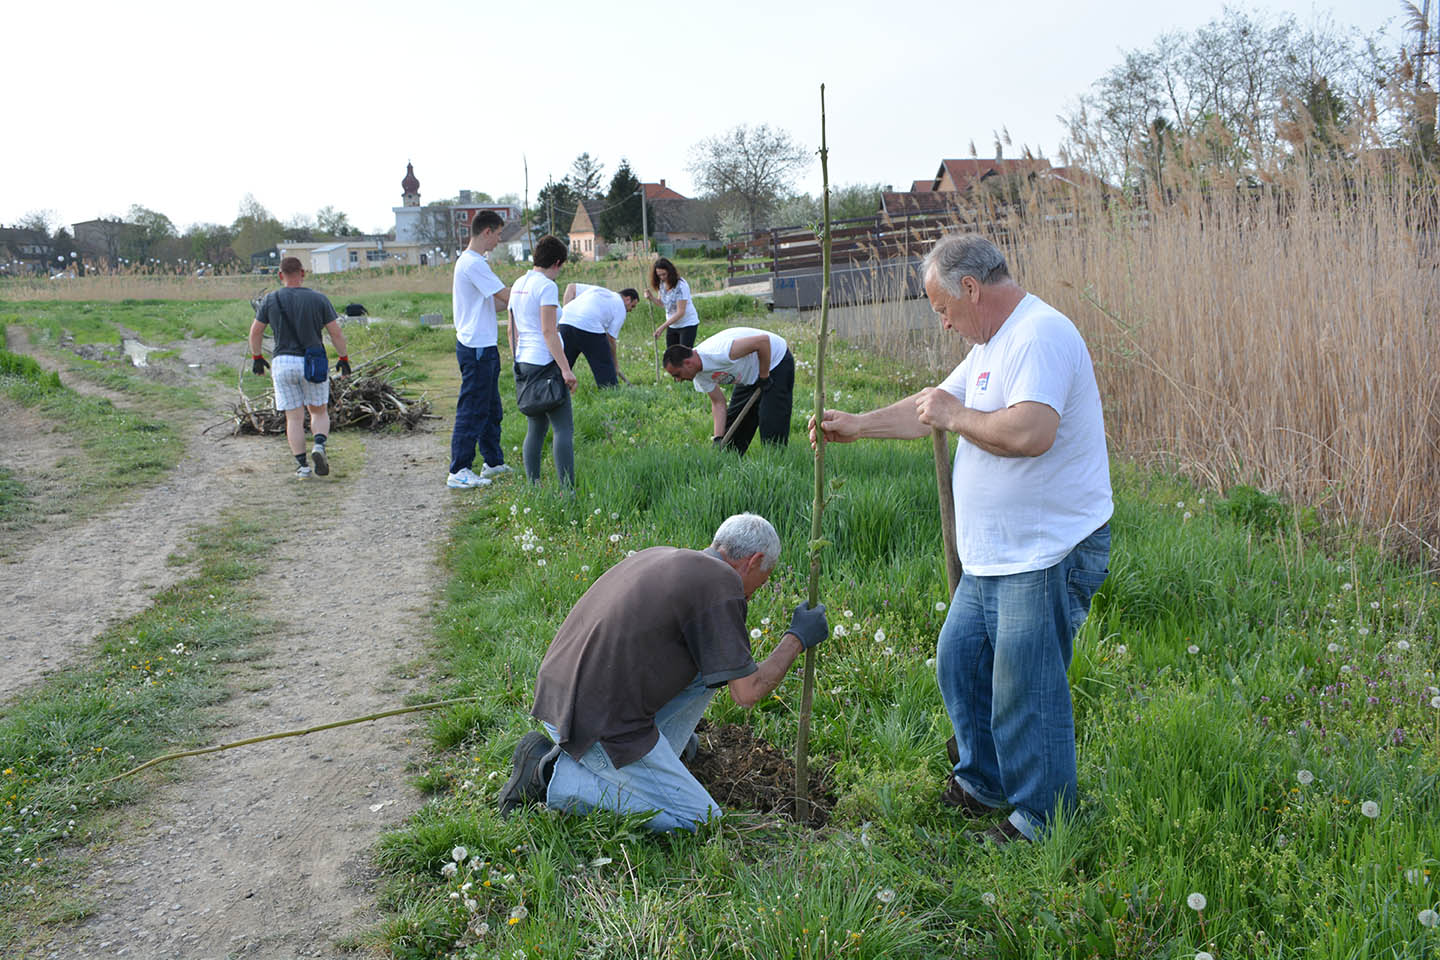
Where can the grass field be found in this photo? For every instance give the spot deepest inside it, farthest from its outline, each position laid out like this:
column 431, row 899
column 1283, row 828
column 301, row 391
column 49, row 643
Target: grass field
column 1248, row 683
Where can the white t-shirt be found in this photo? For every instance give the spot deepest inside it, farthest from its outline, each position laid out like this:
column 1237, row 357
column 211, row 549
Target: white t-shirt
column 531, row 292
column 1015, row 514
column 673, row 295
column 596, row 310
column 473, row 300
column 718, row 370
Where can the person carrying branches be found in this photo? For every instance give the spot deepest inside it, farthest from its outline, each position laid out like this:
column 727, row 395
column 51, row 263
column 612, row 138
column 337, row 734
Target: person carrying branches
column 297, row 315
column 634, row 665
column 756, row 362
column 1031, row 484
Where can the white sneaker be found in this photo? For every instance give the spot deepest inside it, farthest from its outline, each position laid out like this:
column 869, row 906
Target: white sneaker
column 322, row 463
column 499, row 470
column 464, row 479
column 302, row 473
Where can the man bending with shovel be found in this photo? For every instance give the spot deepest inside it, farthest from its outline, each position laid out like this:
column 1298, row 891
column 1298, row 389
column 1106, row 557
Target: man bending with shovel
column 1031, row 485
column 759, row 364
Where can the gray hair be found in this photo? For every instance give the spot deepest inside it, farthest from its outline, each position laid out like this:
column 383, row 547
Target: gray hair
column 959, row 255
column 745, row 535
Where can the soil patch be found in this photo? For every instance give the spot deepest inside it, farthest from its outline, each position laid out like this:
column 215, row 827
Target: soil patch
column 744, row 772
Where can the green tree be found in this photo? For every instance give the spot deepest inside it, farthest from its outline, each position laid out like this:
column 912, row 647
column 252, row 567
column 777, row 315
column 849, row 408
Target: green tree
column 255, row 229
column 622, row 217
column 211, row 243
column 554, row 209
column 148, row 233
column 333, row 222
column 586, row 175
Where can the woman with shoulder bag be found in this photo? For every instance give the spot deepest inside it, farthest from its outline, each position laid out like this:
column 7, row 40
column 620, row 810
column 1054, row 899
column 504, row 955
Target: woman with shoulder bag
column 543, row 379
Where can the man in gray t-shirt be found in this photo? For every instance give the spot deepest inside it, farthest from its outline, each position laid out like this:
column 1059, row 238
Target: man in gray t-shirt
column 297, row 316
column 634, row 665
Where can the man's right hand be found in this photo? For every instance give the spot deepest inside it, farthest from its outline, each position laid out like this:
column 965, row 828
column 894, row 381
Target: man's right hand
column 809, row 624
column 259, row 365
column 839, row 427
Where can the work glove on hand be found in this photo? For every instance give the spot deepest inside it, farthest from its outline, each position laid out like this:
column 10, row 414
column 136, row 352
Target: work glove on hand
column 716, row 442
column 259, row 365
column 343, row 366
column 766, row 383
column 809, row 624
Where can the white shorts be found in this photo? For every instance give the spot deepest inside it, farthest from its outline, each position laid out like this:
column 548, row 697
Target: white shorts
column 292, row 389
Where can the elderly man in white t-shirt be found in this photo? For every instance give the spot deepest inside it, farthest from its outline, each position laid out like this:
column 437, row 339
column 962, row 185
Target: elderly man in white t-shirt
column 590, row 323
column 1031, row 483
column 752, row 360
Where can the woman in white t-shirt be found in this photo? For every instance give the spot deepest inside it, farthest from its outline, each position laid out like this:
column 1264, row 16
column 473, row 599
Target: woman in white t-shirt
column 681, row 320
column 535, row 344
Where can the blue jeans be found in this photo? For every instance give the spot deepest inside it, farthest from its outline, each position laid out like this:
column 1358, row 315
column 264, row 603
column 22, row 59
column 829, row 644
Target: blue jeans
column 657, row 781
column 477, row 409
column 1001, row 662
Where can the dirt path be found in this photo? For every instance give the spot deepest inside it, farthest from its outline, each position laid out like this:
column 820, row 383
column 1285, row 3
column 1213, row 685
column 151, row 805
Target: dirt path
column 261, row 852
column 74, row 579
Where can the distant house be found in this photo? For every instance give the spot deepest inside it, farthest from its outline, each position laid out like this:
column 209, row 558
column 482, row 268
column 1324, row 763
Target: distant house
column 957, row 184
column 585, row 240
column 682, row 222
column 25, row 251
column 100, row 241
column 515, row 238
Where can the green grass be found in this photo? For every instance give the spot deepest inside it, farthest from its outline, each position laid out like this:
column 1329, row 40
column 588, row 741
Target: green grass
column 1189, row 761
column 142, row 693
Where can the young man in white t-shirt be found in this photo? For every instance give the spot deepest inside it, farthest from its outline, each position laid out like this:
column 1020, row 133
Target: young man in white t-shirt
column 1031, row 484
column 751, row 360
column 590, row 324
column 476, row 293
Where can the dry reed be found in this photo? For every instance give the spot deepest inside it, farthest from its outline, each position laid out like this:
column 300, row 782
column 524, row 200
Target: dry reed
column 1283, row 335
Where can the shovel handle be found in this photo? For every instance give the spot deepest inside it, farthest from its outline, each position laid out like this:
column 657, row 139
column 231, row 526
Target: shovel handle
column 947, row 507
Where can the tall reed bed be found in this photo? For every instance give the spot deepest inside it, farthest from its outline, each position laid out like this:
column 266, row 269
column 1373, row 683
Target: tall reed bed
column 1283, row 334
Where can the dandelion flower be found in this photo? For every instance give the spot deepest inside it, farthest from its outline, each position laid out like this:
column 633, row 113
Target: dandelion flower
column 519, row 913
column 885, row 896
column 1192, row 649
column 1429, row 918
column 987, row 898
column 1179, row 504
column 879, row 636
column 930, row 662
column 1344, row 668
column 1187, row 515
column 597, row 511
column 1305, row 777
column 889, row 651
column 939, row 605
column 614, row 538
column 1347, row 585
column 1374, row 604
column 1204, row 955
column 584, row 568
column 1435, row 702
column 1196, row 901
column 1402, row 645
column 540, row 562
column 765, row 621
column 449, row 870
column 614, row 516
column 839, row 629
column 459, row 854
column 1370, row 808
column 1333, row 647
column 1120, row 649
column 1363, row 631
column 755, row 634
column 849, row 613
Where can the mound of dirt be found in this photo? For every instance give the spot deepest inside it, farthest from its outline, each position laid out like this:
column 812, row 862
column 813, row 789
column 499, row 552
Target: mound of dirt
column 744, row 772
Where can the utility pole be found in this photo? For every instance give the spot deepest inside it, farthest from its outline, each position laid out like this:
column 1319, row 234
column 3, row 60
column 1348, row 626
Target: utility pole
column 644, row 224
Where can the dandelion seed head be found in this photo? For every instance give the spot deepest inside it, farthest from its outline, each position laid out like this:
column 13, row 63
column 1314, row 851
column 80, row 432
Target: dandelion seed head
column 879, row 636
column 840, row 630
column 849, row 613
column 458, row 854
column 1192, row 649
column 1203, row 955
column 1428, row 918
column 1305, row 777
column 755, row 634
column 1370, row 808
column 1347, row 585
column 939, row 605
column 1332, row 647
column 1435, row 702
column 1120, row 649
column 614, row 538
column 987, row 898
column 449, row 870
column 1196, row 901
column 1402, row 645
column 885, row 896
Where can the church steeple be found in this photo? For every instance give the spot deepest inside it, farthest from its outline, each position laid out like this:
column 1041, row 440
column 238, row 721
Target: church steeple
column 411, row 187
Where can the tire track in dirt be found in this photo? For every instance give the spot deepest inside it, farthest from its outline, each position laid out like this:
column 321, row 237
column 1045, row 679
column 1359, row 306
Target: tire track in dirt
column 263, row 851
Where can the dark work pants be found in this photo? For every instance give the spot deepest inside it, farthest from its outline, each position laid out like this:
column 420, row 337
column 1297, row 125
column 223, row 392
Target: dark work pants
column 477, row 409
column 595, row 347
column 685, row 335
column 771, row 414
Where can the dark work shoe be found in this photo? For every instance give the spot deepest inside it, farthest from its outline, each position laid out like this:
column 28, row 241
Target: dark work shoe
column 958, row 797
column 999, row 834
column 692, row 747
column 952, row 752
column 530, row 776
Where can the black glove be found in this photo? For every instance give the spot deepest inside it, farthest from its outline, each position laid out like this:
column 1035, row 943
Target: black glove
column 343, row 366
column 766, row 384
column 260, row 365
column 809, row 624
column 716, row 442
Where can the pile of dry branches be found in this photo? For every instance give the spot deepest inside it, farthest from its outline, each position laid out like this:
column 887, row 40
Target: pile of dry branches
column 369, row 397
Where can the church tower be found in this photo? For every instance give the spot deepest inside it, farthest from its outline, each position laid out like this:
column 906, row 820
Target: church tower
column 411, row 187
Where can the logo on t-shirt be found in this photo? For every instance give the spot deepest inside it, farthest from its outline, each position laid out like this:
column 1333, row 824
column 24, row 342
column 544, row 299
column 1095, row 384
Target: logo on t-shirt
column 982, row 381
column 723, row 379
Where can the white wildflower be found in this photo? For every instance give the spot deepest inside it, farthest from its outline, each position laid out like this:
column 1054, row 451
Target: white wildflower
column 886, row 896
column 1120, row 649
column 1333, row 647
column 1370, row 808
column 939, row 605
column 459, row 854
column 755, row 634
column 1402, row 645
column 1428, row 918
column 879, row 636
column 1305, row 777
column 1192, row 649
column 1196, row 901
column 614, row 538
column 840, row 630
column 987, row 898
column 449, row 870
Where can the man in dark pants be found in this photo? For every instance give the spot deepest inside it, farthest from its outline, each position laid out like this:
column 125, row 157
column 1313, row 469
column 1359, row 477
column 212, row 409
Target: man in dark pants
column 590, row 324
column 752, row 360
column 476, row 293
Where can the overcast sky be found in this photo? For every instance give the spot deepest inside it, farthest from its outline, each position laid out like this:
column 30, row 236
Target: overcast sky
column 187, row 107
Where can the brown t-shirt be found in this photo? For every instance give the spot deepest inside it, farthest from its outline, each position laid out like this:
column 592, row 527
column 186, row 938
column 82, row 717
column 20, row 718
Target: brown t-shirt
column 638, row 637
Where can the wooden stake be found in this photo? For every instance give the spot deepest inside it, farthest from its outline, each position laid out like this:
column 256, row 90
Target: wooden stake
column 947, row 508
column 807, row 694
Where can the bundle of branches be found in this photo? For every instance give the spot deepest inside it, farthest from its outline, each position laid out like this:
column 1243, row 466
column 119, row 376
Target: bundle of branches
column 370, row 397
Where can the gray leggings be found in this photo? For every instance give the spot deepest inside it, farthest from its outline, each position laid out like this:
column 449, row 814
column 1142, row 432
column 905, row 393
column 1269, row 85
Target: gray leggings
column 563, row 420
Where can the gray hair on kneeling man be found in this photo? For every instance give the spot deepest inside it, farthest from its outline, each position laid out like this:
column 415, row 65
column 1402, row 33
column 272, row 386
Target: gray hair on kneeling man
column 745, row 535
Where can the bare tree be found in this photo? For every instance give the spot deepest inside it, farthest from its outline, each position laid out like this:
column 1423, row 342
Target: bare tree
column 748, row 168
